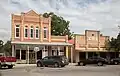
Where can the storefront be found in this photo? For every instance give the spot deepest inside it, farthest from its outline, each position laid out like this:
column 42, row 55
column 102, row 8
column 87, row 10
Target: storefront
column 25, row 52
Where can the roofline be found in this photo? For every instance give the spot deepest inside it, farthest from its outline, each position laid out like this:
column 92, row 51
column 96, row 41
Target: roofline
column 93, row 30
column 80, row 34
column 104, row 36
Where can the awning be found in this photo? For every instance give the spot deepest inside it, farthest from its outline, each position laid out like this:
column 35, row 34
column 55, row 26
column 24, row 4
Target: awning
column 43, row 43
column 91, row 50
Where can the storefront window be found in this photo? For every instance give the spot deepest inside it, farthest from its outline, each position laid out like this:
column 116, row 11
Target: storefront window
column 23, row 54
column 17, row 54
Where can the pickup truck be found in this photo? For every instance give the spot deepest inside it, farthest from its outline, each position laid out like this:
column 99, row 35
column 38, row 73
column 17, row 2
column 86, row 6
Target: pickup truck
column 93, row 60
column 7, row 61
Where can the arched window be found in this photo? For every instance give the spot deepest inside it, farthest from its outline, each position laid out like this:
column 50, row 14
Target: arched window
column 37, row 32
column 45, row 32
column 17, row 31
column 31, row 32
column 26, row 31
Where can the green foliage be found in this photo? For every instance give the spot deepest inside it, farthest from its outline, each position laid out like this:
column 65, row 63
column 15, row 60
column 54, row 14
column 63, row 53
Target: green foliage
column 1, row 45
column 59, row 26
column 6, row 48
column 114, row 44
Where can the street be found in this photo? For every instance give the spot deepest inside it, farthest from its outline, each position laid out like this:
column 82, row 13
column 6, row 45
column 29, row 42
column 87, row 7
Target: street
column 89, row 70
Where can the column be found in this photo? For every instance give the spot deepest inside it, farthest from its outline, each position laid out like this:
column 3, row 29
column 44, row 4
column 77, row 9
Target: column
column 13, row 51
column 28, row 54
column 43, row 52
column 118, row 54
column 67, row 51
column 86, row 55
column 58, row 50
column 36, row 56
column 49, row 51
column 71, row 54
column 77, row 56
column 20, row 54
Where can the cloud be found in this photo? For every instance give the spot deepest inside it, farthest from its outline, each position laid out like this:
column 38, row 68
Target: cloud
column 100, row 15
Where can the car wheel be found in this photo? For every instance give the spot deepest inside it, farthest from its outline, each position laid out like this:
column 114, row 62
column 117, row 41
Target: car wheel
column 116, row 63
column 56, row 65
column 39, row 64
column 100, row 64
column 81, row 64
column 10, row 66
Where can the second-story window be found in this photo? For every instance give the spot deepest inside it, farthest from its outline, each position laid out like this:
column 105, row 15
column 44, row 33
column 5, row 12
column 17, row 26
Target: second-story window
column 26, row 31
column 37, row 32
column 17, row 31
column 31, row 32
column 45, row 32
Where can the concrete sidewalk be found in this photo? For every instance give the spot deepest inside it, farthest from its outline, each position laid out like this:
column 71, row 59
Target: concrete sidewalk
column 24, row 65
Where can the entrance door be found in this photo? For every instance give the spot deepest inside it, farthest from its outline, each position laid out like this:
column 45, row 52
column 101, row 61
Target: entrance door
column 32, row 59
column 39, row 54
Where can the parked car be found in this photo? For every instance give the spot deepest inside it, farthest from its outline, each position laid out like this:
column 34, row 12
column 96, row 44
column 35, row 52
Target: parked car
column 56, row 61
column 115, row 61
column 7, row 61
column 93, row 60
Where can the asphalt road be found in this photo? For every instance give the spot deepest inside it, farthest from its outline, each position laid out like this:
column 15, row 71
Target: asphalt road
column 90, row 70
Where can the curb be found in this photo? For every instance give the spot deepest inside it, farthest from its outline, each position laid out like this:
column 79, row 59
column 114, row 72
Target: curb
column 28, row 65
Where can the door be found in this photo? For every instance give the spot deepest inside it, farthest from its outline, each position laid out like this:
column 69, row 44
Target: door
column 32, row 59
column 39, row 54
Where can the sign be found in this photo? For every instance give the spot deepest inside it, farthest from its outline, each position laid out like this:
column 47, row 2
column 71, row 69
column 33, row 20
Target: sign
column 36, row 49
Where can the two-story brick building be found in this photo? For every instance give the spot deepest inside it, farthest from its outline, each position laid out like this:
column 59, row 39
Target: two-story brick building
column 89, row 44
column 32, row 31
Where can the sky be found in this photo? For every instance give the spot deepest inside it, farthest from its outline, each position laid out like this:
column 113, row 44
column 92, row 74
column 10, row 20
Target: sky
column 101, row 15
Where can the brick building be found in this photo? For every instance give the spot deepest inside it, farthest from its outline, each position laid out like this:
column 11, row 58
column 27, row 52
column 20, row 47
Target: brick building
column 32, row 31
column 89, row 44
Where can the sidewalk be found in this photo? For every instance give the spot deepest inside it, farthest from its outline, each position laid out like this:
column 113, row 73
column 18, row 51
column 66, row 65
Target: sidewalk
column 24, row 65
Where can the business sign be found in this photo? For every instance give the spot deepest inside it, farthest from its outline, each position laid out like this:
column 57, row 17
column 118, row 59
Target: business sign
column 36, row 49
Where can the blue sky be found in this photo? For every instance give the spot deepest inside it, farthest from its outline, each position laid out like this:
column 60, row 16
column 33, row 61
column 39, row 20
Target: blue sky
column 102, row 15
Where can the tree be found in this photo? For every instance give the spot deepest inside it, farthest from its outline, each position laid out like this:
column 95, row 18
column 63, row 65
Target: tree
column 114, row 44
column 7, row 48
column 118, row 43
column 59, row 26
column 1, row 45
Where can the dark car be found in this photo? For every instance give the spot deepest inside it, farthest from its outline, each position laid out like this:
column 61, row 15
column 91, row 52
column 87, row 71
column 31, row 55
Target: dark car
column 115, row 61
column 56, row 61
column 93, row 60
